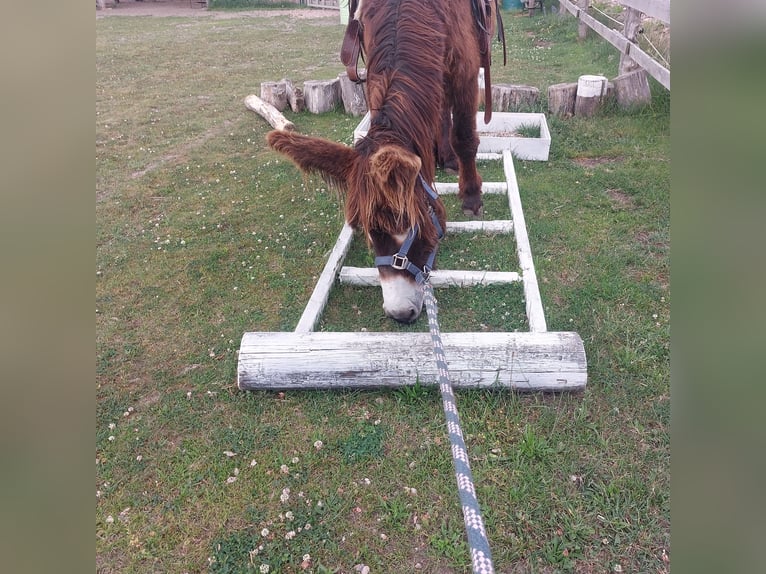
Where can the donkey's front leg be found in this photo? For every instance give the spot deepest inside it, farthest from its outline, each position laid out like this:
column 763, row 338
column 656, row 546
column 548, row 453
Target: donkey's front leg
column 465, row 142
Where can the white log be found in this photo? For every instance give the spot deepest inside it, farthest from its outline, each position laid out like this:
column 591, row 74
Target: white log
column 321, row 95
column 561, row 99
column 352, row 94
column 268, row 112
column 491, row 187
column 302, row 361
column 534, row 304
column 480, row 226
column 275, row 93
column 321, row 293
column 440, row 278
column 591, row 92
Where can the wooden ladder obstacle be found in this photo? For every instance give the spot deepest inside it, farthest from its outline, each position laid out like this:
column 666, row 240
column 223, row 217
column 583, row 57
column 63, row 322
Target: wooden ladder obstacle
column 538, row 360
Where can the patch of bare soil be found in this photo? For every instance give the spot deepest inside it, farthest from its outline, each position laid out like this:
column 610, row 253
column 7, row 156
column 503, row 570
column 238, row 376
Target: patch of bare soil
column 596, row 161
column 182, row 8
column 620, row 198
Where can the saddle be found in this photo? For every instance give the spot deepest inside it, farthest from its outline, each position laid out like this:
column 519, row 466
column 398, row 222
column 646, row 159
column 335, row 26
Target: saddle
column 353, row 42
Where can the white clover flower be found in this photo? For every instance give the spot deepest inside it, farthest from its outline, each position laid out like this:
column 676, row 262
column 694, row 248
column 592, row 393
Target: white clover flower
column 289, row 515
column 264, row 569
column 285, row 496
column 306, row 557
column 284, row 469
column 295, row 460
column 265, row 532
column 290, row 535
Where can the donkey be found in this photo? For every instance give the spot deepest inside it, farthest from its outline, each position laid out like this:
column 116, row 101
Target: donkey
column 423, row 57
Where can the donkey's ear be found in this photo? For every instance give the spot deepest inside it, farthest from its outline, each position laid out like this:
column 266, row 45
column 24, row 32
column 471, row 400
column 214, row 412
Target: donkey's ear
column 395, row 169
column 331, row 160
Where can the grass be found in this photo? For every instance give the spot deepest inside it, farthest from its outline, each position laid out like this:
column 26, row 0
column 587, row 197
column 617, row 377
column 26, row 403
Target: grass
column 203, row 234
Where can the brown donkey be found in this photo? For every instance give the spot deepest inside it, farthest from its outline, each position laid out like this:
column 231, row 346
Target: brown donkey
column 423, row 57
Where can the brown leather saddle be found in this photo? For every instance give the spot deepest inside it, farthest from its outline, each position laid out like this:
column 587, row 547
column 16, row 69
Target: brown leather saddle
column 353, row 42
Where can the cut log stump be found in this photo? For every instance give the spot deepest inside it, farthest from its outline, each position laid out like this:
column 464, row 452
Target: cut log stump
column 591, row 93
column 632, row 89
column 275, row 93
column 352, row 94
column 514, row 98
column 321, row 95
column 294, row 96
column 561, row 99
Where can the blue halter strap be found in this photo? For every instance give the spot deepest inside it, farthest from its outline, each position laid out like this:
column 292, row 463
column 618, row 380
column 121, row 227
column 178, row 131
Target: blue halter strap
column 399, row 260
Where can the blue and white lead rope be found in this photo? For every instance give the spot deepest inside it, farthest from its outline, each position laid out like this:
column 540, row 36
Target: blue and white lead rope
column 481, row 555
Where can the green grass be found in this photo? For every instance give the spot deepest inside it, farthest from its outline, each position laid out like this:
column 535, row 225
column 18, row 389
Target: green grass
column 203, row 234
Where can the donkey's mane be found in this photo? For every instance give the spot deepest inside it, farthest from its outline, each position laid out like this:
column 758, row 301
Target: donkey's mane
column 405, row 78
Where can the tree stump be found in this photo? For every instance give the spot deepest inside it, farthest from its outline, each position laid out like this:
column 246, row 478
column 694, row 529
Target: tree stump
column 632, row 89
column 294, row 96
column 591, row 91
column 321, row 95
column 352, row 94
column 561, row 99
column 514, row 98
column 275, row 93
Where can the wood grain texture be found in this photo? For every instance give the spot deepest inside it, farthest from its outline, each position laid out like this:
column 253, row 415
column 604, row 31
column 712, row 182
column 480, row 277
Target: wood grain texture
column 552, row 361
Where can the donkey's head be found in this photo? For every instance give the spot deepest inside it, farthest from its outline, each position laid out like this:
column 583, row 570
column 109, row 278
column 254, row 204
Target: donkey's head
column 389, row 201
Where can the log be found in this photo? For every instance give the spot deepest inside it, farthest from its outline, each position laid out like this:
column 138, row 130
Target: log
column 294, row 96
column 352, row 94
column 514, row 97
column 591, row 91
column 561, row 99
column 321, row 95
column 551, row 361
column 275, row 93
column 632, row 89
column 268, row 112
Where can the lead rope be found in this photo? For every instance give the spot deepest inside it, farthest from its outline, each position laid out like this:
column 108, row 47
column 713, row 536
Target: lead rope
column 481, row 555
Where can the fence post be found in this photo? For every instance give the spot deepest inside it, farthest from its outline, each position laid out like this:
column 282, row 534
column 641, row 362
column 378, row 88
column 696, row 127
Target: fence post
column 630, row 31
column 582, row 27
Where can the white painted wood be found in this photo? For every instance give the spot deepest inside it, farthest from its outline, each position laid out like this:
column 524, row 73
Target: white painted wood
column 480, row 226
column 488, row 156
column 321, row 293
column 491, row 136
column 534, row 305
column 268, row 113
column 490, row 187
column 521, row 361
column 368, row 277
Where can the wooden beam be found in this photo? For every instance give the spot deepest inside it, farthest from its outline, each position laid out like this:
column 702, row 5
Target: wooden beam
column 534, row 304
column 268, row 113
column 368, row 277
column 480, row 226
column 519, row 361
column 486, row 187
column 321, row 292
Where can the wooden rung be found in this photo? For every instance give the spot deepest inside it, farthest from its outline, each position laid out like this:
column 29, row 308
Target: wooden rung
column 368, row 277
column 488, row 156
column 551, row 361
column 492, row 187
column 478, row 226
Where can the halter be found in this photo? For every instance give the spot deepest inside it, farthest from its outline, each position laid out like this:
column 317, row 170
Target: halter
column 399, row 260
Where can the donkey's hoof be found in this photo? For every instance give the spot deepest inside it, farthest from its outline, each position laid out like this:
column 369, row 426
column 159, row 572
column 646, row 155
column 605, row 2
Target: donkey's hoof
column 473, row 207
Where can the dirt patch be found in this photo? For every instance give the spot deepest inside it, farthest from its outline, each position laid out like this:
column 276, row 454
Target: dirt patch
column 189, row 8
column 596, row 161
column 620, row 198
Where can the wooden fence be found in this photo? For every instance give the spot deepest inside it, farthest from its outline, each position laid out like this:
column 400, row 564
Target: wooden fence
column 625, row 40
column 331, row 4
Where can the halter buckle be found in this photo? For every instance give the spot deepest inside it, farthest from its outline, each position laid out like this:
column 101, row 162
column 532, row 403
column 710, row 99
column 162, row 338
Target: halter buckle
column 399, row 261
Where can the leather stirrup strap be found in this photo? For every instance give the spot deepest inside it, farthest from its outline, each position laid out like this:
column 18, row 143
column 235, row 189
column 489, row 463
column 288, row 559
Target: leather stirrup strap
column 351, row 49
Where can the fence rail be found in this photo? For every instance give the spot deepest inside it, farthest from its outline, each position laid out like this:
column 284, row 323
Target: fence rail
column 331, row 4
column 659, row 9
